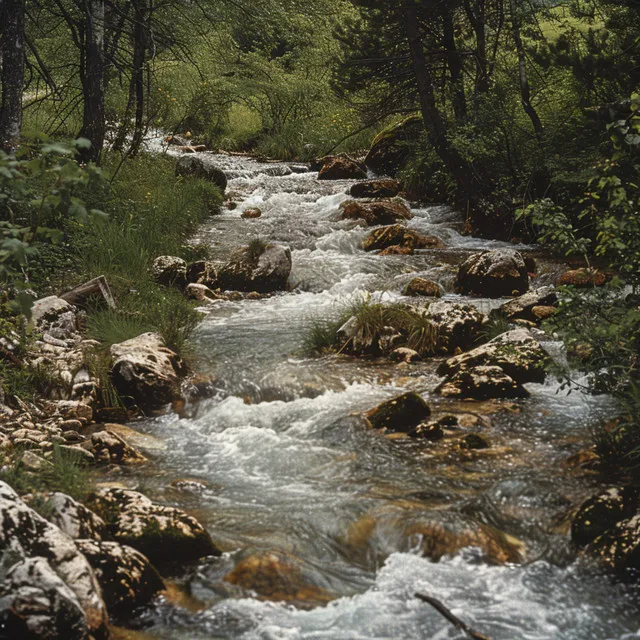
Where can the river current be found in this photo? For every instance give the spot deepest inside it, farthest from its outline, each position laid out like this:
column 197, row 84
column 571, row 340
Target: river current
column 287, row 466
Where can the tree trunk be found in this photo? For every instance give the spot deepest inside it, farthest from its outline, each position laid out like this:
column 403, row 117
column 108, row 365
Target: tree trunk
column 525, row 91
column 13, row 51
column 93, row 119
column 476, row 16
column 433, row 120
column 137, row 88
column 456, row 68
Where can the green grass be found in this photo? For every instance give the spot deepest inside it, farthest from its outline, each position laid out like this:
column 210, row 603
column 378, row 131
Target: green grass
column 371, row 322
column 67, row 473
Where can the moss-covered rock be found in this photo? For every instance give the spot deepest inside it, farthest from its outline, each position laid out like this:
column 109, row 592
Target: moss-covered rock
column 376, row 212
column 400, row 414
column 391, row 149
column 494, row 274
column 422, row 287
column 399, row 235
column 376, row 189
column 340, row 168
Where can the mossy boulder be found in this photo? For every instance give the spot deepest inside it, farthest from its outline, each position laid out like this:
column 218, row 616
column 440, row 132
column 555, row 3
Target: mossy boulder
column 602, row 512
column 391, row 149
column 202, row 167
column 422, row 287
column 582, row 278
column 164, row 534
column 381, row 188
column 458, row 326
column 400, row 414
column 493, row 274
column 260, row 267
column 341, row 168
column 516, row 352
column 481, row 383
column 375, row 212
column 398, row 235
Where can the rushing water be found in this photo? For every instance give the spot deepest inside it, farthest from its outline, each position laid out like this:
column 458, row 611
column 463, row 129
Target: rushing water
column 288, row 466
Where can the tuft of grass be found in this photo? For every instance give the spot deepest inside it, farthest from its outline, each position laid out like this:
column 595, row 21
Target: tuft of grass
column 370, row 323
column 67, row 473
column 494, row 328
column 256, row 248
column 111, row 326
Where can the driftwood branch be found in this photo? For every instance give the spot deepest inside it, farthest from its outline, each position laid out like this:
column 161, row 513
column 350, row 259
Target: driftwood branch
column 97, row 286
column 454, row 620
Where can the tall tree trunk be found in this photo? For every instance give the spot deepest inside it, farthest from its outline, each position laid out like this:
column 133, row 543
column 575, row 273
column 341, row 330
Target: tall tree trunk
column 456, row 68
column 525, row 90
column 93, row 119
column 476, row 16
column 434, row 122
column 12, row 47
column 137, row 88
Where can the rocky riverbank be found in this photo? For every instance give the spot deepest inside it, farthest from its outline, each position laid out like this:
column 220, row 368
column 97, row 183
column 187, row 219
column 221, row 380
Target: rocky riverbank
column 109, row 557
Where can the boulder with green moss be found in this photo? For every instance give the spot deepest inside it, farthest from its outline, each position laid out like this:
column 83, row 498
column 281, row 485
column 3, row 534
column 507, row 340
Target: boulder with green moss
column 391, row 149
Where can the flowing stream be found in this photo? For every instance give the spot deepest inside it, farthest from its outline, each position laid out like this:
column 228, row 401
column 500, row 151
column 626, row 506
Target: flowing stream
column 287, row 466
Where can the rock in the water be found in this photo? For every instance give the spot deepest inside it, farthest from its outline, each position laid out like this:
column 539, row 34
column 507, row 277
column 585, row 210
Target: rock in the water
column 164, row 534
column 35, row 604
column 203, row 167
column 399, row 235
column 278, row 577
column 481, row 383
column 55, row 317
column 145, row 370
column 516, row 352
column 458, row 326
column 618, row 548
column 582, row 278
column 494, row 274
column 170, row 271
column 376, row 189
column 389, row 150
column 73, row 518
column 403, row 354
column 427, row 431
column 127, row 578
column 602, row 512
column 522, row 307
column 400, row 414
column 340, row 168
column 422, row 287
column 449, row 534
column 250, row 214
column 258, row 267
column 376, row 212
column 396, row 250
column 199, row 292
column 26, row 534
column 110, row 448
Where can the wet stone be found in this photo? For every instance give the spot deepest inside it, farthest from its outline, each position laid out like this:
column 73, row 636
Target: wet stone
column 400, row 414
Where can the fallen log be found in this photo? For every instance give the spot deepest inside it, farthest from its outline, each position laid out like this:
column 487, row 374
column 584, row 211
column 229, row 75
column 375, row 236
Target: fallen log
column 454, row 620
column 97, row 286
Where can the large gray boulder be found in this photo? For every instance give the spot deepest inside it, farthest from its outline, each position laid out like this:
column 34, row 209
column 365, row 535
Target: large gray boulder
column 257, row 267
column 146, row 371
column 164, row 534
column 516, row 352
column 203, row 167
column 24, row 534
column 55, row 317
column 494, row 274
column 73, row 518
column 36, row 604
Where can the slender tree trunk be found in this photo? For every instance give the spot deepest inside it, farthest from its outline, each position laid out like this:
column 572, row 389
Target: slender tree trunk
column 433, row 120
column 12, row 47
column 454, row 62
column 137, row 89
column 525, row 91
column 93, row 120
column 476, row 16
